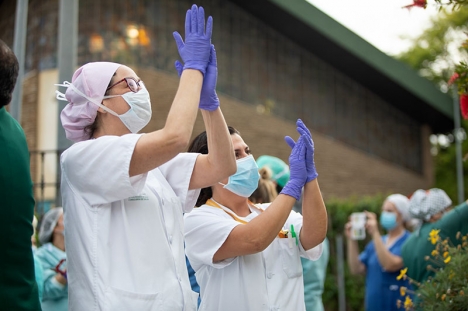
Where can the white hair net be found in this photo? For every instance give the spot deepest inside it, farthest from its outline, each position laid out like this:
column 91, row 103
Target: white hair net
column 401, row 203
column 424, row 204
column 49, row 221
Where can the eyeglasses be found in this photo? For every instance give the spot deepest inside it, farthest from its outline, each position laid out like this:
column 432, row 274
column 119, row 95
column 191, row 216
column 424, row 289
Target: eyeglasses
column 132, row 84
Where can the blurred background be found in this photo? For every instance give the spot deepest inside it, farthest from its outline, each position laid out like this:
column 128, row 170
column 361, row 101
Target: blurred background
column 381, row 113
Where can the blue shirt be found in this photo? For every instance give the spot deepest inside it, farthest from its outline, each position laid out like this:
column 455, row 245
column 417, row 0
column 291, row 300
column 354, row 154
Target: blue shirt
column 382, row 288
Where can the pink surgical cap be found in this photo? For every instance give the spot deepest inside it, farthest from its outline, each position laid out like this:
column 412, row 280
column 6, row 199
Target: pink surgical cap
column 92, row 80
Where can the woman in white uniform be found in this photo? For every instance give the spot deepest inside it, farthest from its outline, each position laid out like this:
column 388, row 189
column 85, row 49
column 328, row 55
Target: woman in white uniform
column 124, row 194
column 247, row 256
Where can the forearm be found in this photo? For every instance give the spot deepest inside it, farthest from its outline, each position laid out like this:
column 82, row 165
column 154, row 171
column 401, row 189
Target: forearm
column 354, row 264
column 183, row 112
column 314, row 212
column 265, row 228
column 387, row 260
column 156, row 148
column 259, row 233
column 221, row 154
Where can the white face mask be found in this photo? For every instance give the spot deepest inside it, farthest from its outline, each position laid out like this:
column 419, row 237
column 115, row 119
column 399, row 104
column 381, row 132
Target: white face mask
column 140, row 112
column 136, row 118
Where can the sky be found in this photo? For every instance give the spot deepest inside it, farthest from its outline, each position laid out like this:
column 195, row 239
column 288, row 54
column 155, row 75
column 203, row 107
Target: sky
column 380, row 22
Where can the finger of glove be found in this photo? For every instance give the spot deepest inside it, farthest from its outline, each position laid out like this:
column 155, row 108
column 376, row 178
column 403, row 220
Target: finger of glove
column 307, row 139
column 301, row 124
column 179, row 41
column 194, row 20
column 188, row 23
column 296, row 151
column 290, row 141
column 179, row 67
column 213, row 60
column 209, row 27
column 201, row 21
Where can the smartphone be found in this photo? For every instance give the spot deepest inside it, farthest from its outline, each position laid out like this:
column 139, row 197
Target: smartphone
column 358, row 226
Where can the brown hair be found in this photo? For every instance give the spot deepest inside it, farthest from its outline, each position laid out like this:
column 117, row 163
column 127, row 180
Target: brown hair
column 200, row 145
column 266, row 191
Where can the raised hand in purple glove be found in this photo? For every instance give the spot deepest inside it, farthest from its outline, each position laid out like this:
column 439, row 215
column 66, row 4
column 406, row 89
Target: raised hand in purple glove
column 297, row 168
column 208, row 99
column 195, row 51
column 309, row 144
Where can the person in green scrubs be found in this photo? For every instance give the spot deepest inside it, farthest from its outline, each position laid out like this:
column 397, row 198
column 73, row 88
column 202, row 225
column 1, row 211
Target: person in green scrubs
column 433, row 208
column 18, row 288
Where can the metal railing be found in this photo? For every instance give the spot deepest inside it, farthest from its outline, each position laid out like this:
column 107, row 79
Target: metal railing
column 45, row 174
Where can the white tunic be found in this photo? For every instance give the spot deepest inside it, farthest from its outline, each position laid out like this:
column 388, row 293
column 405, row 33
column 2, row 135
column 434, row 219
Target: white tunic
column 124, row 236
column 270, row 280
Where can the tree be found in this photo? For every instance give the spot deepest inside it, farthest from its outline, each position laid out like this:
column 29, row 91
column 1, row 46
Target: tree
column 435, row 54
column 436, row 51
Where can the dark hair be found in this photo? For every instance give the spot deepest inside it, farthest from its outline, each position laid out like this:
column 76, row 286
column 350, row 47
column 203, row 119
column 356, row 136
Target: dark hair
column 200, row 145
column 90, row 129
column 9, row 68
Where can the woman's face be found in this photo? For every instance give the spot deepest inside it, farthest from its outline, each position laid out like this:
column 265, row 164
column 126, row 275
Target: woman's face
column 241, row 149
column 391, row 208
column 59, row 226
column 118, row 104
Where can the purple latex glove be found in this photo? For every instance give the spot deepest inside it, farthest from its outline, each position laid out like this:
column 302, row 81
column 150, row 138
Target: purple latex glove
column 297, row 168
column 208, row 99
column 195, row 51
column 309, row 144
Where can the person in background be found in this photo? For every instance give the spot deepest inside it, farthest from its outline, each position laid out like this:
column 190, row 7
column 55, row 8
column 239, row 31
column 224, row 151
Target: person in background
column 266, row 190
column 279, row 169
column 124, row 192
column 314, row 273
column 381, row 259
column 247, row 256
column 52, row 256
column 433, row 208
column 18, row 288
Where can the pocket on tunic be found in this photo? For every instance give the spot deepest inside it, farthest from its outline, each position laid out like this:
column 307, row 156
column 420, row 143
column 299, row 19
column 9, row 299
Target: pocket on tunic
column 290, row 258
column 121, row 300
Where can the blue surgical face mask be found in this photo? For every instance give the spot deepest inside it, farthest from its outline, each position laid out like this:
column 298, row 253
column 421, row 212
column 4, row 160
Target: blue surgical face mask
column 388, row 220
column 245, row 180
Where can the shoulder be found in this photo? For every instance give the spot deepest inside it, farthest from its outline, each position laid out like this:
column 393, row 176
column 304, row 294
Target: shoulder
column 206, row 211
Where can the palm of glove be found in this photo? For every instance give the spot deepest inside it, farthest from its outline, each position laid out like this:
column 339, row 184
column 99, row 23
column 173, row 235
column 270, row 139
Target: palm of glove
column 309, row 144
column 208, row 98
column 297, row 168
column 195, row 51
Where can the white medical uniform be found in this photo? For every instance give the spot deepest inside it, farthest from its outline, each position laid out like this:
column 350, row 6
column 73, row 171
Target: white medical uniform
column 124, row 235
column 269, row 280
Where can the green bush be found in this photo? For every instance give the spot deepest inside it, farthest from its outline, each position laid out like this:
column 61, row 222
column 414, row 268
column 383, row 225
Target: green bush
column 338, row 213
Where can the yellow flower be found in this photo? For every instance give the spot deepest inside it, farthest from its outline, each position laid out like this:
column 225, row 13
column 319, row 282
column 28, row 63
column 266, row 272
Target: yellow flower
column 434, row 236
column 447, row 260
column 464, row 238
column 434, row 253
column 402, row 274
column 443, row 297
column 408, row 303
column 446, row 254
column 402, row 291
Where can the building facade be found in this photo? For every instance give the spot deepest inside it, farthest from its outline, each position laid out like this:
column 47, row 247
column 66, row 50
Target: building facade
column 366, row 143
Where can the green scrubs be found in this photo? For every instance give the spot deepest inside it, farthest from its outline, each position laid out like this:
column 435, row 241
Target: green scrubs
column 418, row 246
column 314, row 279
column 18, row 288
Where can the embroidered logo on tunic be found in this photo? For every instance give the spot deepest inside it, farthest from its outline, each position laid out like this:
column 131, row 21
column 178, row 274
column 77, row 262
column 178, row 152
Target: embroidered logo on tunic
column 141, row 197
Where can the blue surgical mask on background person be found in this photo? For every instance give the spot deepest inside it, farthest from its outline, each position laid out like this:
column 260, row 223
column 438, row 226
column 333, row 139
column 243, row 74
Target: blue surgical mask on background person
column 245, row 181
column 388, row 220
